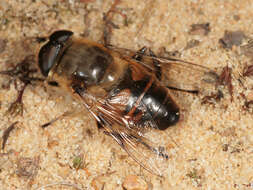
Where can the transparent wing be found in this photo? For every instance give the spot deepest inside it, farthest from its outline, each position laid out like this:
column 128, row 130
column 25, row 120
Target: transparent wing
column 175, row 73
column 150, row 156
column 188, row 76
column 130, row 137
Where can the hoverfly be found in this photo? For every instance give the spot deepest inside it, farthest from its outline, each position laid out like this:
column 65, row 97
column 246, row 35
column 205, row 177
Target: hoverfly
column 124, row 91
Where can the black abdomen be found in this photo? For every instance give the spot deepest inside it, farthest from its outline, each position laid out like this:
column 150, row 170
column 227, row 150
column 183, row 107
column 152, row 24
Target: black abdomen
column 161, row 107
column 148, row 101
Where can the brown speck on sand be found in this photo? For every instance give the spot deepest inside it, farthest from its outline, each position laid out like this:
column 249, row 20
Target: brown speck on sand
column 226, row 79
column 200, row 29
column 3, row 43
column 248, row 71
column 27, row 167
column 247, row 49
column 232, row 38
column 191, row 44
column 213, row 98
column 6, row 134
column 236, row 17
column 195, row 177
column 225, row 147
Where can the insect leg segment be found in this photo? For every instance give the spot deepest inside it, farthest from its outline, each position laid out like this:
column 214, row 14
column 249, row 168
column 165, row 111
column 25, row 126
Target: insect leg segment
column 99, row 125
column 147, row 101
column 139, row 56
column 72, row 113
column 156, row 64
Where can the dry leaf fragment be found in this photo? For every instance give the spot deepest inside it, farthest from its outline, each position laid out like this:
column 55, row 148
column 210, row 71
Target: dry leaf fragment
column 231, row 39
column 200, row 29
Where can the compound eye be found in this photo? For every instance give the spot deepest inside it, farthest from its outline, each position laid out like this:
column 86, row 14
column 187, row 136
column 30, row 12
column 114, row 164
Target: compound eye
column 51, row 51
column 47, row 57
column 60, row 36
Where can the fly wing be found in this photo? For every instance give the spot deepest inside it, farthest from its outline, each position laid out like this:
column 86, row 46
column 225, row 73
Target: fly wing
column 150, row 156
column 131, row 138
column 185, row 75
column 175, row 73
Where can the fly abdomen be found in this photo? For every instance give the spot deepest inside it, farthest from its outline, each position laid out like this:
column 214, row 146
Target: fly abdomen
column 147, row 100
column 161, row 106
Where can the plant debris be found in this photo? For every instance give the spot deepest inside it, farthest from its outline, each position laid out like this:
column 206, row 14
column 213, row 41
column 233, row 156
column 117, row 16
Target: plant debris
column 78, row 162
column 236, row 17
column 248, row 71
column 200, row 29
column 191, row 44
column 6, row 134
column 7, row 160
column 226, row 80
column 213, row 98
column 248, row 185
column 21, row 72
column 164, row 53
column 247, row 49
column 231, row 39
column 109, row 24
column 17, row 107
column 248, row 104
column 237, row 147
column 27, row 167
column 3, row 43
column 196, row 178
column 225, row 147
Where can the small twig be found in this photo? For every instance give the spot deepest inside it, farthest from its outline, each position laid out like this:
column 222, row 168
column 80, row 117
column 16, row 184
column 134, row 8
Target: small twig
column 17, row 106
column 108, row 23
column 7, row 133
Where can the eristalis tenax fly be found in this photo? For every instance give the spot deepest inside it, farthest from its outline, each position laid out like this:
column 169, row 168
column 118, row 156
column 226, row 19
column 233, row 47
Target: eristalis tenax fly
column 126, row 92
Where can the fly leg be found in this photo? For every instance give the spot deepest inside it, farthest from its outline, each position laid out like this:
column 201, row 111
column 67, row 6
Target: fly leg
column 140, row 53
column 62, row 116
column 155, row 64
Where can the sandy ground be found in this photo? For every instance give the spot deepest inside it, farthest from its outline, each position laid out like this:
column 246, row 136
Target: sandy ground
column 211, row 148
